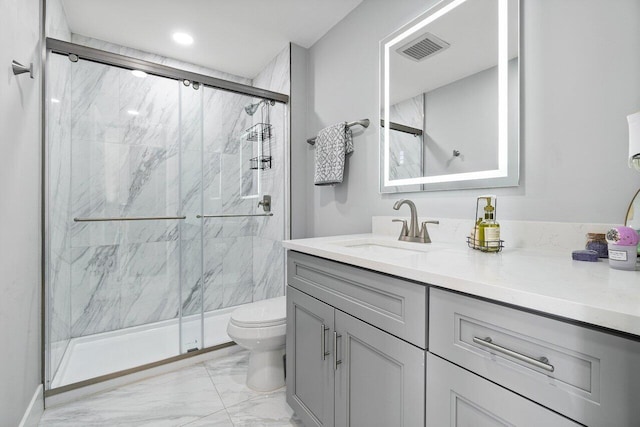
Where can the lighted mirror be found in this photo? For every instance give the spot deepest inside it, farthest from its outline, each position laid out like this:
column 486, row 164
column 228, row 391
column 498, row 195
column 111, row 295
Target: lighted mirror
column 449, row 99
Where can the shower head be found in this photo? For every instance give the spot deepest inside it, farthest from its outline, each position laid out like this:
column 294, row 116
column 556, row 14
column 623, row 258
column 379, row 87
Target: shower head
column 252, row 108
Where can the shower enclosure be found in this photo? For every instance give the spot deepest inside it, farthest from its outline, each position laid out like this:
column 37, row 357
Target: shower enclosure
column 154, row 231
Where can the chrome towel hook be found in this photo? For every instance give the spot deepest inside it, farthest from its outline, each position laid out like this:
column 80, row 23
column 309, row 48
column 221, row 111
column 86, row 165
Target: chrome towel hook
column 18, row 68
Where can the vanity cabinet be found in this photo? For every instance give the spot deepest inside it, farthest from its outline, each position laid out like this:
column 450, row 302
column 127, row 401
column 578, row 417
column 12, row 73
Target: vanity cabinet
column 357, row 344
column 459, row 398
column 587, row 375
column 343, row 370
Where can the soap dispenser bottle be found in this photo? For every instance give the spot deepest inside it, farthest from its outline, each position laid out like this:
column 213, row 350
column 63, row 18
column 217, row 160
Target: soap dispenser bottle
column 489, row 229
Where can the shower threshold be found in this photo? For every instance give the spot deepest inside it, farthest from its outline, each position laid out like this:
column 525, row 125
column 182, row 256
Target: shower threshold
column 101, row 354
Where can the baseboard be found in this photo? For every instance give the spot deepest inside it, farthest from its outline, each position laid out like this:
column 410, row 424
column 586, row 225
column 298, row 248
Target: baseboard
column 32, row 415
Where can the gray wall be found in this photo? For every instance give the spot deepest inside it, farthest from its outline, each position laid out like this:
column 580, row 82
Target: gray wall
column 578, row 86
column 20, row 213
column 300, row 179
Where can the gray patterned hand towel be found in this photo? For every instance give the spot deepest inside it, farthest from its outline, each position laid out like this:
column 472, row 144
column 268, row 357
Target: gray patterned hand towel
column 332, row 145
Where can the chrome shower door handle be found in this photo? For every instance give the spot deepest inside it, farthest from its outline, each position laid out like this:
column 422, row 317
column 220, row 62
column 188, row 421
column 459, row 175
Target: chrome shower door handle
column 323, row 342
column 336, row 362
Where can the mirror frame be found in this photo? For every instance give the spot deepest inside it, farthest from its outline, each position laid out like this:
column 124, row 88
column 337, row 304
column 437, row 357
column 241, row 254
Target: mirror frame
column 508, row 172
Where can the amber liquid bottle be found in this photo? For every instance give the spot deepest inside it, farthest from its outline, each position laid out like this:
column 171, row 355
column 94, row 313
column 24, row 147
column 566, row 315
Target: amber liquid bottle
column 489, row 230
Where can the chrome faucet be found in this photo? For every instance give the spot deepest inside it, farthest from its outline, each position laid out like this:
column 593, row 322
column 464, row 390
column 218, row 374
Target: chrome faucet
column 411, row 233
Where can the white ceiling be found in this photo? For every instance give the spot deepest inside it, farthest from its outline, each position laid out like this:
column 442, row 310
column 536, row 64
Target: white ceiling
column 234, row 36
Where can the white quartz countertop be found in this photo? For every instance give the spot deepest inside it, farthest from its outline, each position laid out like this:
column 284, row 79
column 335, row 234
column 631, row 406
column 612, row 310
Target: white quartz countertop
column 550, row 282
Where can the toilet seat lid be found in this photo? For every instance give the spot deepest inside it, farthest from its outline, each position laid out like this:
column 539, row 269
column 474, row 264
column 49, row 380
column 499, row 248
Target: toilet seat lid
column 269, row 312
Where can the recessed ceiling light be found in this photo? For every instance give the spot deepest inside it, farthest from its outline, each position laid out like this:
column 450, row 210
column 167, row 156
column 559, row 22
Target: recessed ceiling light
column 133, row 112
column 55, row 101
column 139, row 73
column 182, row 38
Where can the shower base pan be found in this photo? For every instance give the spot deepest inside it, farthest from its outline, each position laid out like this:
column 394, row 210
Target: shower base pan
column 102, row 354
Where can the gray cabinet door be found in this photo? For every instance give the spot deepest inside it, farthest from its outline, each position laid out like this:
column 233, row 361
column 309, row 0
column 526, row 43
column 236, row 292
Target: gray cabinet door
column 379, row 378
column 310, row 376
column 459, row 398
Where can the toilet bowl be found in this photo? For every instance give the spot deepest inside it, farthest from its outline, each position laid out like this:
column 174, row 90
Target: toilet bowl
column 260, row 327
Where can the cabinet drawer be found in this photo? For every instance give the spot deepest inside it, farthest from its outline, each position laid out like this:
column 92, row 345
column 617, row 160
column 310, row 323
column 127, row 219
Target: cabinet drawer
column 456, row 397
column 393, row 305
column 584, row 374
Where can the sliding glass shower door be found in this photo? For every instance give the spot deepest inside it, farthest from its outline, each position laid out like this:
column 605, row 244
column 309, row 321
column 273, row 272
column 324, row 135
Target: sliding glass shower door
column 123, row 215
column 154, row 232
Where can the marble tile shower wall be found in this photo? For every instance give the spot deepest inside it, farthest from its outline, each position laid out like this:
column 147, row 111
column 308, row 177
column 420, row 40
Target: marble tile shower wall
column 180, row 154
column 268, row 255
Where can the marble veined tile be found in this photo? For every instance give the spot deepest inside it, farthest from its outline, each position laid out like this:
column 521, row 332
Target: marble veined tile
column 94, row 102
column 148, row 111
column 56, row 25
column 219, row 419
column 173, row 399
column 221, row 134
column 237, row 293
column 268, row 269
column 276, row 75
column 268, row 410
column 191, row 253
column 212, row 181
column 214, row 250
column 409, row 112
column 191, row 182
column 229, row 375
column 95, row 291
column 149, row 283
column 238, row 260
column 191, row 118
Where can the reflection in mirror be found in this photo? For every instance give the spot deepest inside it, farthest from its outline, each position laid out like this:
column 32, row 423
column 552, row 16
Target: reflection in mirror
column 450, row 81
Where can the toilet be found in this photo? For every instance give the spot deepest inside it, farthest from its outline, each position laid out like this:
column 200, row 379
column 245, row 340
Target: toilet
column 260, row 327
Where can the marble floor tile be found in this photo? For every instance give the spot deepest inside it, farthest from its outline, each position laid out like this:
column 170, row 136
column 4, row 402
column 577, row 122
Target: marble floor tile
column 219, row 419
column 229, row 376
column 172, row 399
column 212, row 393
column 268, row 410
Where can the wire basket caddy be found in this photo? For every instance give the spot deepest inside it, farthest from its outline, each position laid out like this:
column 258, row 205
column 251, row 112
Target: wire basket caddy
column 480, row 243
column 261, row 133
column 492, row 246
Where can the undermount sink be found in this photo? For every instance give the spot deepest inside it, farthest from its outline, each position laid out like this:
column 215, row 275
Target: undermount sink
column 373, row 246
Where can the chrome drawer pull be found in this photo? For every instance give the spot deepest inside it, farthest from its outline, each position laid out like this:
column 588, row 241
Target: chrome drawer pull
column 323, row 343
column 542, row 363
column 335, row 350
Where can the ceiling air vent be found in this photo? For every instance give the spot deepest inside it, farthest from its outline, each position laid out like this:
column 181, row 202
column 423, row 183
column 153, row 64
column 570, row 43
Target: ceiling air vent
column 423, row 47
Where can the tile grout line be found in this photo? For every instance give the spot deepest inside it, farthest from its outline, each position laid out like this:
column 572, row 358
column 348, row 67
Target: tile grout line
column 219, row 395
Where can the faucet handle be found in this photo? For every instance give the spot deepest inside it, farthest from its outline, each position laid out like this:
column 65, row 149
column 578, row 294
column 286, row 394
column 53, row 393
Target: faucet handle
column 424, row 233
column 405, row 230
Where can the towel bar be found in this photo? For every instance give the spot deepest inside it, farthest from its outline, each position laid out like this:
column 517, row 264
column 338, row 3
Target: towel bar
column 364, row 123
